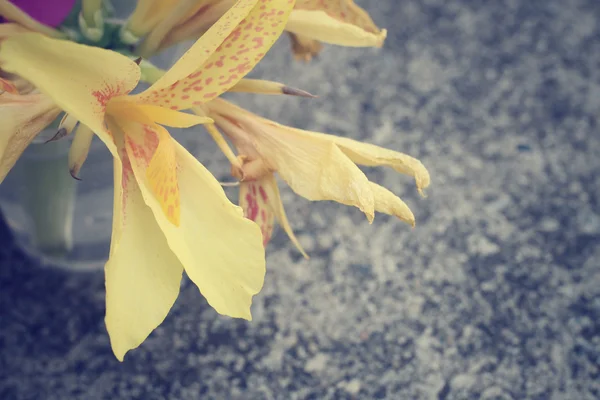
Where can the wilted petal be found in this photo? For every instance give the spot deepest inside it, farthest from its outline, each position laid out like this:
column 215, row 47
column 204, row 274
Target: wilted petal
column 80, row 79
column 388, row 203
column 222, row 56
column 374, row 156
column 314, row 168
column 221, row 250
column 142, row 274
column 23, row 117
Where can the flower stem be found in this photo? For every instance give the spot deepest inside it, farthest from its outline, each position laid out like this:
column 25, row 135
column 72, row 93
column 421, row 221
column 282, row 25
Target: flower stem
column 49, row 197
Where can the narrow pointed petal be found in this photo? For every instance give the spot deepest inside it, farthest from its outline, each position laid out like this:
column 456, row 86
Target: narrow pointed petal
column 222, row 56
column 274, row 199
column 23, row 118
column 318, row 25
column 79, row 79
column 388, row 203
column 142, row 274
column 221, row 251
column 79, row 150
column 259, row 86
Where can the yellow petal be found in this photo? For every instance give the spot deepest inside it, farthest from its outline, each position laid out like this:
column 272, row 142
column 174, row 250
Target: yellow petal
column 374, row 156
column 175, row 119
column 318, row 25
column 142, row 273
column 80, row 148
column 315, row 168
column 202, row 49
column 80, row 79
column 23, row 117
column 222, row 56
column 274, row 200
column 220, row 250
column 388, row 203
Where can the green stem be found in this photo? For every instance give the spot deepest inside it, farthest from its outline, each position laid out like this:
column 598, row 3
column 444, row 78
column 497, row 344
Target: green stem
column 49, row 197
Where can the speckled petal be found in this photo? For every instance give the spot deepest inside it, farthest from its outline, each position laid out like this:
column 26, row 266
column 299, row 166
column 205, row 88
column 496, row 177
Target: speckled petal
column 222, row 56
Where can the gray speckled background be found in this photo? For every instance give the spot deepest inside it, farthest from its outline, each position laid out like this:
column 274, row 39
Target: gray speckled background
column 494, row 295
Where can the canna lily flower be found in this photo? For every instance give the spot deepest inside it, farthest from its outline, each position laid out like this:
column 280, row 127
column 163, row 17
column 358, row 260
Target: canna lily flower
column 170, row 214
column 316, row 166
column 164, row 23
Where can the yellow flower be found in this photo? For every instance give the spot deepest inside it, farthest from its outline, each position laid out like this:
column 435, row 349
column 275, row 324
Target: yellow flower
column 163, row 23
column 170, row 213
column 316, row 166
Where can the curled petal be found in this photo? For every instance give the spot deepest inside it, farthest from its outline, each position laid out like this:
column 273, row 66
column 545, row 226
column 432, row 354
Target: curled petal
column 375, row 156
column 388, row 203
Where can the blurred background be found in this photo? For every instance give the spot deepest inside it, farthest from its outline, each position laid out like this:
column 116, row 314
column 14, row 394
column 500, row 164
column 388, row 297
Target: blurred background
column 494, row 295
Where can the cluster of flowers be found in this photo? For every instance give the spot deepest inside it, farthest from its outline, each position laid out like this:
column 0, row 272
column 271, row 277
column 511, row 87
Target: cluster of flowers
column 170, row 214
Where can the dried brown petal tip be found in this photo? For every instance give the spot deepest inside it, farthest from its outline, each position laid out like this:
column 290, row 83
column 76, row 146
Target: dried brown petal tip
column 61, row 133
column 296, row 92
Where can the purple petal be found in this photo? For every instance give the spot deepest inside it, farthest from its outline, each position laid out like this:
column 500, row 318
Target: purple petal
column 51, row 13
